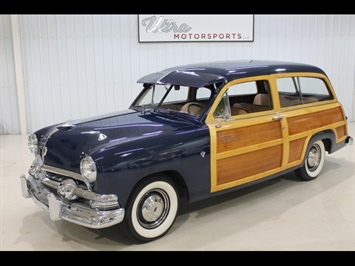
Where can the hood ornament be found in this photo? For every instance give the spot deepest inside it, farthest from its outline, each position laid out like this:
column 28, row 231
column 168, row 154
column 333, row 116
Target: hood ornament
column 66, row 126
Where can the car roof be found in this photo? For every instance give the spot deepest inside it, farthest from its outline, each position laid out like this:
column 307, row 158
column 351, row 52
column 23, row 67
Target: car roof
column 204, row 74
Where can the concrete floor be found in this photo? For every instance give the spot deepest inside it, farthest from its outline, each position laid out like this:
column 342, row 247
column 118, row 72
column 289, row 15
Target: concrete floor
column 283, row 214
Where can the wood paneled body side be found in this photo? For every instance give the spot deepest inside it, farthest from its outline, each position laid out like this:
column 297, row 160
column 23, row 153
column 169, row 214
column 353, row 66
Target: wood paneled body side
column 296, row 147
column 239, row 166
column 341, row 131
column 236, row 138
column 302, row 123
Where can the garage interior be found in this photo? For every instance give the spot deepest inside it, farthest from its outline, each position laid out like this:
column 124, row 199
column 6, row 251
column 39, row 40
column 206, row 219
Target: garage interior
column 75, row 66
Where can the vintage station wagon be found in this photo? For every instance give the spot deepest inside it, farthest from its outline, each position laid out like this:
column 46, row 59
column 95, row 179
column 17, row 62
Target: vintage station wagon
column 193, row 132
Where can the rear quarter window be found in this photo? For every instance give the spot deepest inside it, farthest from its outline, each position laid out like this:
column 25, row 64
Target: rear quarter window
column 302, row 90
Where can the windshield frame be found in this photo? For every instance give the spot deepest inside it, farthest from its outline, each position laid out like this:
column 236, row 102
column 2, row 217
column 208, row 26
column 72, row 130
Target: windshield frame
column 150, row 98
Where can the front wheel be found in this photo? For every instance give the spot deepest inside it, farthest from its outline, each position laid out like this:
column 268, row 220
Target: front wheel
column 152, row 209
column 313, row 163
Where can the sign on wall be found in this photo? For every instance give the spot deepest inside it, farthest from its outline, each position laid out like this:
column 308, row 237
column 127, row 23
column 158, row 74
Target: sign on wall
column 196, row 28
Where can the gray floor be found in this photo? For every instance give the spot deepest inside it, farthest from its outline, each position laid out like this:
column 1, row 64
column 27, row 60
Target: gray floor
column 278, row 215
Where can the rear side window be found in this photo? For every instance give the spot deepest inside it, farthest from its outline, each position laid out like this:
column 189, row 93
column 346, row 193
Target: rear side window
column 302, row 90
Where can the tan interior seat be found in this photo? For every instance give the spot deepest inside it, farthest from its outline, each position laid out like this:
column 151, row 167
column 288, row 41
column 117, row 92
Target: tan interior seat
column 261, row 99
column 237, row 111
column 193, row 108
column 260, row 103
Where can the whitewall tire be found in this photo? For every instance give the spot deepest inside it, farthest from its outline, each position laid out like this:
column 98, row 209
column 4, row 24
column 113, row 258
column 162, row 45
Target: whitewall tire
column 313, row 163
column 152, row 209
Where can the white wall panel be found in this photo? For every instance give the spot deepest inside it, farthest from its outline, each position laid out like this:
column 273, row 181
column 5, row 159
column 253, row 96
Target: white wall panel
column 83, row 65
column 9, row 115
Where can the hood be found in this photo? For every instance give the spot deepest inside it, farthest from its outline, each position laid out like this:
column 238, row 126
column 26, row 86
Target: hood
column 64, row 145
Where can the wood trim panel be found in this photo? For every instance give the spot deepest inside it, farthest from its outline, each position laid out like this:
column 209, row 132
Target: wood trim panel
column 296, row 147
column 238, row 167
column 236, row 138
column 315, row 120
column 341, row 131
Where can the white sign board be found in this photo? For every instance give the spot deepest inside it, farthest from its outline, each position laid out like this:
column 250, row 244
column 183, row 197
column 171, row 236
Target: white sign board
column 196, row 28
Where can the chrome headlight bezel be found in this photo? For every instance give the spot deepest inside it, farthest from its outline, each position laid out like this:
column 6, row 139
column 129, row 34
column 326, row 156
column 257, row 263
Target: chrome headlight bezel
column 88, row 169
column 33, row 144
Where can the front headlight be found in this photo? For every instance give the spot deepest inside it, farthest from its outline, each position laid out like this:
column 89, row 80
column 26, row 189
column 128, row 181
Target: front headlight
column 33, row 143
column 88, row 169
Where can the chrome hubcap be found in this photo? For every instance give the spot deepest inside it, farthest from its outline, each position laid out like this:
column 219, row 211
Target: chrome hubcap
column 153, row 209
column 314, row 158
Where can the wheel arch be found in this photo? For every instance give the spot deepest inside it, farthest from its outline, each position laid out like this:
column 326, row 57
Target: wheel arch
column 174, row 176
column 328, row 138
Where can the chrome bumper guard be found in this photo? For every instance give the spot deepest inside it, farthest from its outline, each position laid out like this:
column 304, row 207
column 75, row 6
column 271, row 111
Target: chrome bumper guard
column 74, row 212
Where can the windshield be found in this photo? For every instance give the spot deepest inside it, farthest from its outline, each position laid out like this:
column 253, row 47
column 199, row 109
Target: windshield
column 184, row 99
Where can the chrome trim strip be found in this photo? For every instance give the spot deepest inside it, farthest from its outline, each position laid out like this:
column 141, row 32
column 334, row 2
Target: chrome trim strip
column 25, row 184
column 67, row 173
column 94, row 196
column 54, row 207
column 40, row 203
column 50, row 183
column 73, row 212
column 83, row 216
column 60, row 171
column 24, row 187
column 109, row 199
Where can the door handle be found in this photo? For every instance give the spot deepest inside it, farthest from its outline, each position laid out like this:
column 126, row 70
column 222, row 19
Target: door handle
column 278, row 117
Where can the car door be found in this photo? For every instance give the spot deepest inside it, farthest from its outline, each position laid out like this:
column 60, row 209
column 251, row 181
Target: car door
column 248, row 137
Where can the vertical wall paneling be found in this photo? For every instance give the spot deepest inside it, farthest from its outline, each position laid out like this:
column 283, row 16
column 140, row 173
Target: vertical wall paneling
column 9, row 115
column 16, row 42
column 77, row 66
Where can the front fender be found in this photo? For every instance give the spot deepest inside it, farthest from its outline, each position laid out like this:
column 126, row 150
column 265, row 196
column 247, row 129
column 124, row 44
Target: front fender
column 121, row 168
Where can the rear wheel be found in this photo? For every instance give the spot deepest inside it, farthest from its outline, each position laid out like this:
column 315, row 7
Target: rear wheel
column 313, row 163
column 152, row 209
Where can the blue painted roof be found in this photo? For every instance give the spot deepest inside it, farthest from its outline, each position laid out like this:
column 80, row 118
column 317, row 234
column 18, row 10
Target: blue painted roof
column 203, row 74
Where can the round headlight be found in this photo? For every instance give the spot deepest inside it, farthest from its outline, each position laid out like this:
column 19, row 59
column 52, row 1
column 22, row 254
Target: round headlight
column 88, row 169
column 33, row 143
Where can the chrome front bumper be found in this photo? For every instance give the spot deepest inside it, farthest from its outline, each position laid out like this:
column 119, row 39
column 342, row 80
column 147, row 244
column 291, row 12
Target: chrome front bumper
column 75, row 212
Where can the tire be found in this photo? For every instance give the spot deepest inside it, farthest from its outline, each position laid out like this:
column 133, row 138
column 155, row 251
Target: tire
column 313, row 163
column 151, row 209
